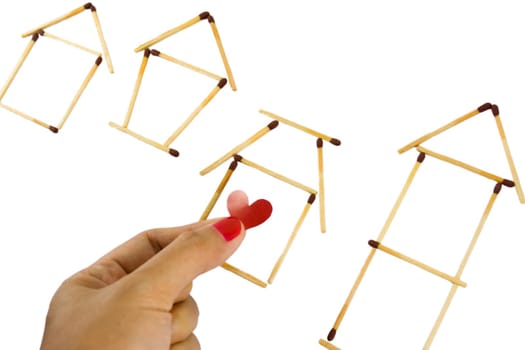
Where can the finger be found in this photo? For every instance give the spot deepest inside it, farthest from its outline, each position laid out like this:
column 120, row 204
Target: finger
column 192, row 253
column 191, row 343
column 130, row 255
column 184, row 294
column 184, row 318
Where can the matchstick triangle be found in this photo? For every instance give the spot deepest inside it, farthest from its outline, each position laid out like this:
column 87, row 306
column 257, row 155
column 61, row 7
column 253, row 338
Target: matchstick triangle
column 495, row 112
column 88, row 6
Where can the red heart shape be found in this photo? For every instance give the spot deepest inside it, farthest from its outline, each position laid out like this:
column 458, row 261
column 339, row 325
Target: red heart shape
column 250, row 215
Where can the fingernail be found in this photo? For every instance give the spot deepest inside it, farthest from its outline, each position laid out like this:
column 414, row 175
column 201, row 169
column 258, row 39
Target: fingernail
column 229, row 228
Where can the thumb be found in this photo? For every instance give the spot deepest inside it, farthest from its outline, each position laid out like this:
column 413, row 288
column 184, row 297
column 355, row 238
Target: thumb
column 192, row 253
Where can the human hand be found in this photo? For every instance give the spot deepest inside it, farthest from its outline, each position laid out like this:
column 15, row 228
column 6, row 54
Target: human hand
column 138, row 295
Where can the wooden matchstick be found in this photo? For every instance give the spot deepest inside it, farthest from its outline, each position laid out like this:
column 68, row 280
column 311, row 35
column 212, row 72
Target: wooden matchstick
column 466, row 166
column 455, row 122
column 136, row 88
column 382, row 247
column 19, row 64
column 320, row 166
column 144, row 139
column 173, row 31
column 274, row 174
column 101, row 38
column 332, row 140
column 240, row 147
column 328, row 345
column 70, row 43
column 197, row 110
column 244, row 275
column 80, row 92
column 186, row 65
column 229, row 73
column 219, row 190
column 279, row 262
column 59, row 19
column 28, row 117
column 470, row 248
column 388, row 222
column 519, row 189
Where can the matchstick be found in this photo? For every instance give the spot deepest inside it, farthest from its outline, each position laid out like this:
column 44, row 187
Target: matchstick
column 395, row 208
column 455, row 122
column 466, row 166
column 274, row 174
column 197, row 110
column 102, row 40
column 138, row 82
column 59, row 19
column 186, row 65
column 279, row 262
column 240, row 147
column 332, row 140
column 328, row 345
column 519, row 189
column 28, row 117
column 229, row 73
column 19, row 64
column 380, row 246
column 70, row 43
column 320, row 166
column 150, row 142
column 80, row 92
column 219, row 190
column 173, row 31
column 470, row 248
column 244, row 275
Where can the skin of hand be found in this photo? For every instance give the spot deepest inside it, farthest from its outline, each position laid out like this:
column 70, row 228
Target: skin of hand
column 137, row 297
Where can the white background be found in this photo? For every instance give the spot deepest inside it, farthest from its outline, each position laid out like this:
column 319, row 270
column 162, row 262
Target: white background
column 374, row 74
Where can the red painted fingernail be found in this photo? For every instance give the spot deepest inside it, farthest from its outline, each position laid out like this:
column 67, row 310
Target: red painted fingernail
column 229, row 228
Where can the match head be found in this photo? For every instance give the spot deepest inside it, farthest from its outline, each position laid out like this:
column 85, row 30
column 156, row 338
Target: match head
column 211, row 19
column 484, row 107
column 311, row 199
column 237, row 157
column 174, row 152
column 273, row 124
column 319, row 142
column 497, row 188
column 147, row 52
column 41, row 32
column 53, row 129
column 90, row 6
column 335, row 142
column 495, row 110
column 508, row 183
column 98, row 61
column 155, row 52
column 233, row 165
column 204, row 15
column 331, row 334
column 421, row 157
column 35, row 36
column 373, row 244
column 222, row 83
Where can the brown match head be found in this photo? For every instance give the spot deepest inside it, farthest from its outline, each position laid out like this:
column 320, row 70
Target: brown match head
column 233, row 165
column 508, row 183
column 155, row 52
column 497, row 188
column 311, row 199
column 484, row 107
column 53, row 129
column 237, row 157
column 204, row 15
column 273, row 124
column 222, row 83
column 331, row 334
column 495, row 110
column 335, row 142
column 90, row 6
column 147, row 52
column 174, row 152
column 373, row 244
column 211, row 19
column 421, row 157
column 41, row 32
column 319, row 142
column 98, row 61
column 35, row 37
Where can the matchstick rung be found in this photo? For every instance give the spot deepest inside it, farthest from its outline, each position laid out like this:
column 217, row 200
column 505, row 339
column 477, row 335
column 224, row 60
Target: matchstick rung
column 380, row 246
column 144, row 139
column 244, row 275
column 328, row 345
